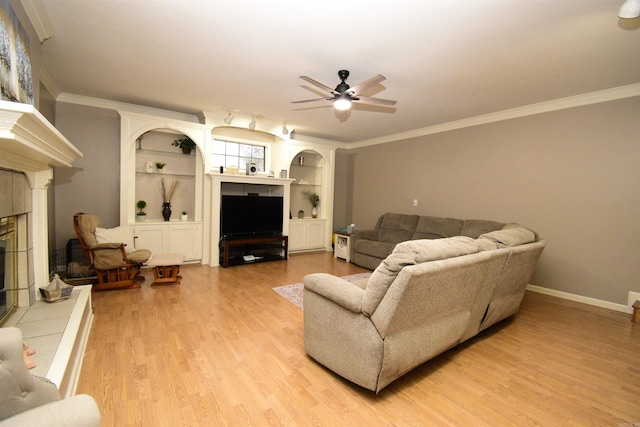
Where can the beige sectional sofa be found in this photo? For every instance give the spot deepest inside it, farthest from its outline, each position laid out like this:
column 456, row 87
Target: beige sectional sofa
column 370, row 247
column 426, row 297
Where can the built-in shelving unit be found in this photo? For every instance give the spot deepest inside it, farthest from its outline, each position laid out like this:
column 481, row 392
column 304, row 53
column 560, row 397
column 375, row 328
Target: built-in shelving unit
column 306, row 233
column 146, row 140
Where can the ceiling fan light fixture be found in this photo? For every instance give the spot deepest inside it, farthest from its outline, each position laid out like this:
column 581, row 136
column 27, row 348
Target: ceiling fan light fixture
column 342, row 102
column 229, row 118
column 630, row 9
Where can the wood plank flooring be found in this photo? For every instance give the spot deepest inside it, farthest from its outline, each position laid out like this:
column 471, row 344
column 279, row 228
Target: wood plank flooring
column 224, row 349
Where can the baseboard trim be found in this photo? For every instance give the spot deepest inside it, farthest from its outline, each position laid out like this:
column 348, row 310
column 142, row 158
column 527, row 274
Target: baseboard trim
column 579, row 298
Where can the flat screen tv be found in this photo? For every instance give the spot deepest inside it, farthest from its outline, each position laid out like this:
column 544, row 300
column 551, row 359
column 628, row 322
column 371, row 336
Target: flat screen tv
column 246, row 216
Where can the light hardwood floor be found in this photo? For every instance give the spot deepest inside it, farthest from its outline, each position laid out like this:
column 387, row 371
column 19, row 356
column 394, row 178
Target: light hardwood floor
column 224, row 349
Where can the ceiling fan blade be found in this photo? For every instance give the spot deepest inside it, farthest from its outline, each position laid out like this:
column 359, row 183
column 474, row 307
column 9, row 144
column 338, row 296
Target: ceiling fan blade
column 311, row 100
column 318, row 84
column 367, row 83
column 375, row 101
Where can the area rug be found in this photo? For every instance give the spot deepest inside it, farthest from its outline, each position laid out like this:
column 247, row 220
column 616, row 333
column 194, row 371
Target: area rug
column 293, row 293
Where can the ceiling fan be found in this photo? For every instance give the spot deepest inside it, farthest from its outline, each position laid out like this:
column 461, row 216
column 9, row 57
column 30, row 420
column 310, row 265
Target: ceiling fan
column 343, row 95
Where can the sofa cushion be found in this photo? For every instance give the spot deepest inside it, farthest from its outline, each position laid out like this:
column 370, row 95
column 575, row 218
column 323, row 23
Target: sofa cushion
column 436, row 249
column 373, row 248
column 121, row 234
column 381, row 278
column 475, row 227
column 396, row 228
column 510, row 237
column 431, row 227
column 409, row 253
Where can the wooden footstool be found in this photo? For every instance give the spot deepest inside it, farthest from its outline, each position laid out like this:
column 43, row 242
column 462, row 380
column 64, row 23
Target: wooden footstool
column 166, row 268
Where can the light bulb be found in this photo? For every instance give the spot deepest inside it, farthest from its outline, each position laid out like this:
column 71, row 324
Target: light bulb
column 342, row 103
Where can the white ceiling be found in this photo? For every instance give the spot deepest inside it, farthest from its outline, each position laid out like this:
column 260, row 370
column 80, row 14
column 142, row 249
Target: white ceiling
column 444, row 60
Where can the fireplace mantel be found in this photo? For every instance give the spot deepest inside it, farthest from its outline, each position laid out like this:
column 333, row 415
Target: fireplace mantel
column 29, row 142
column 32, row 145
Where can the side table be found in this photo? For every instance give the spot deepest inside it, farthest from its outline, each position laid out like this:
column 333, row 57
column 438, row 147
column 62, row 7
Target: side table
column 342, row 248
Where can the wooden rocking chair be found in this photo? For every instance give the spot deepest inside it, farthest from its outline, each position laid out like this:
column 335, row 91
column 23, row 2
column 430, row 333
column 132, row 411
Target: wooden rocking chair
column 115, row 268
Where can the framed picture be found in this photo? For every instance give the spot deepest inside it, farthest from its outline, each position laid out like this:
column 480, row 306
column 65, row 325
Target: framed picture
column 16, row 79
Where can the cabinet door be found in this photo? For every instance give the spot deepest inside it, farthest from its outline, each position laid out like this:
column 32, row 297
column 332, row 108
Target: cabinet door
column 296, row 235
column 152, row 238
column 184, row 238
column 315, row 234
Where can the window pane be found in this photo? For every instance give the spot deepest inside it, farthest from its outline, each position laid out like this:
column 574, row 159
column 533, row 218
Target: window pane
column 259, row 164
column 218, row 160
column 245, row 150
column 232, row 149
column 232, row 161
column 257, row 152
column 219, row 147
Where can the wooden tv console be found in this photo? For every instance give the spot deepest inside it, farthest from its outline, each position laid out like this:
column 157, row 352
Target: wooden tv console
column 253, row 249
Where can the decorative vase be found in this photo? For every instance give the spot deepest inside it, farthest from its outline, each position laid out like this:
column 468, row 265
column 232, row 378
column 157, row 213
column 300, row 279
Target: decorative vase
column 166, row 211
column 301, row 214
column 141, row 218
column 314, row 212
column 184, row 217
column 186, row 150
column 160, row 171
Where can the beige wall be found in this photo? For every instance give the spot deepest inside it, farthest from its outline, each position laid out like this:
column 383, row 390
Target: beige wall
column 571, row 175
column 93, row 183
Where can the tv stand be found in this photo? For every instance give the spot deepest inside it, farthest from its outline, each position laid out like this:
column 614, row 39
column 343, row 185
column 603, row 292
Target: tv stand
column 249, row 250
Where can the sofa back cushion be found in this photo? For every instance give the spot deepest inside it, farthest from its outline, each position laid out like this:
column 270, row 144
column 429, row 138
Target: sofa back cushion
column 432, row 227
column 396, row 228
column 381, row 278
column 510, row 237
column 475, row 227
column 409, row 253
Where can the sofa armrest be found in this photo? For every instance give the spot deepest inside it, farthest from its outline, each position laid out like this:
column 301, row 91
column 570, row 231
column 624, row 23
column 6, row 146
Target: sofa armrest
column 80, row 410
column 365, row 234
column 335, row 289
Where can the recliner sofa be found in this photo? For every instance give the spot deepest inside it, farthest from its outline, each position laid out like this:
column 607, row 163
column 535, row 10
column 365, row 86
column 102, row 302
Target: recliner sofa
column 26, row 400
column 370, row 247
column 426, row 297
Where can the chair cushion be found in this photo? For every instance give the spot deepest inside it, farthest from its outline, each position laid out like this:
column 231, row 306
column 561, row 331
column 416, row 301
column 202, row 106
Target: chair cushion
column 87, row 224
column 120, row 234
column 475, row 227
column 396, row 228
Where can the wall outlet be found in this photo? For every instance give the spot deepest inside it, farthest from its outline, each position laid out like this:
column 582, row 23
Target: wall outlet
column 633, row 297
column 415, row 202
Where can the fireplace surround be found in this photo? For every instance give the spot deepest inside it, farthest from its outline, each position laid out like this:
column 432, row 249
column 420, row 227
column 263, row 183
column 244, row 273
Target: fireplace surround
column 30, row 147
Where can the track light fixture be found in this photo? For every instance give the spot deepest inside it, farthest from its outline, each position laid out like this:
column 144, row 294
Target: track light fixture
column 630, row 9
column 229, row 118
column 252, row 123
column 284, row 128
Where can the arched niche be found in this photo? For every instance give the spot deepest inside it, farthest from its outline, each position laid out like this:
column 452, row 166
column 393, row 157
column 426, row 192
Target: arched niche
column 158, row 161
column 308, row 169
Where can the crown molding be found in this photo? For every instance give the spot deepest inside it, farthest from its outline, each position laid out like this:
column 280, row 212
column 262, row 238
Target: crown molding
column 89, row 101
column 47, row 82
column 38, row 18
column 590, row 98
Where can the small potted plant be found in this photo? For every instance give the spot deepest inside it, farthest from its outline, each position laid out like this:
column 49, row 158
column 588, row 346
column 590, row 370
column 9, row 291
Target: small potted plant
column 186, row 144
column 160, row 166
column 184, row 216
column 141, row 215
